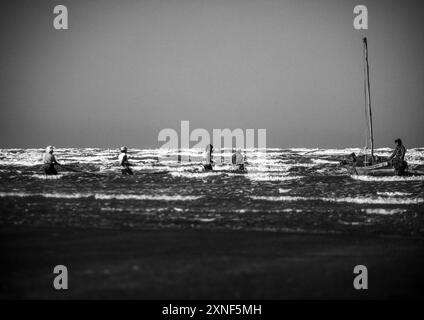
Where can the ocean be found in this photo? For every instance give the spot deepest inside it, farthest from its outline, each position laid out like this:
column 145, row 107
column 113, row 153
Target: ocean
column 295, row 190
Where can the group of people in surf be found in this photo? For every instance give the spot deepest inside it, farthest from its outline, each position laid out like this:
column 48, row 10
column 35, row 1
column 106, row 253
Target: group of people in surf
column 237, row 159
column 49, row 161
column 396, row 160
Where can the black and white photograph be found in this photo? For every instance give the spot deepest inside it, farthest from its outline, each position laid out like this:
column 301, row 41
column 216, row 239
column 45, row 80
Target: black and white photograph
column 212, row 150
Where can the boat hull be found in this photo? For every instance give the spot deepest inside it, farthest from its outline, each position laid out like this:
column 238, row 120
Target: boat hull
column 384, row 172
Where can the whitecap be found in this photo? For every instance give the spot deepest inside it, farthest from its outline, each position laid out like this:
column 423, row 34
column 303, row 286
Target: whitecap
column 384, row 211
column 267, row 177
column 48, row 177
column 387, row 179
column 357, row 200
column 196, row 175
column 205, row 219
column 394, row 194
column 323, row 161
column 102, row 196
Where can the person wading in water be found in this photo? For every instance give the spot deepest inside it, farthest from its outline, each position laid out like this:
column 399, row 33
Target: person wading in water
column 397, row 158
column 49, row 161
column 238, row 159
column 123, row 162
column 208, row 158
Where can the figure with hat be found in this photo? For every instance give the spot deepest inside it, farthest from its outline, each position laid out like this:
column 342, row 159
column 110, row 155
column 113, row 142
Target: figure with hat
column 49, row 161
column 123, row 162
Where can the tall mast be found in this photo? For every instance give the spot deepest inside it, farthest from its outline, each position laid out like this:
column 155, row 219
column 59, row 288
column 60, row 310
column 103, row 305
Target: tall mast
column 368, row 95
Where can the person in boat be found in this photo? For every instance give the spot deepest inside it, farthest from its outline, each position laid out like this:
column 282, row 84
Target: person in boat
column 123, row 162
column 352, row 160
column 208, row 158
column 238, row 159
column 397, row 158
column 49, row 161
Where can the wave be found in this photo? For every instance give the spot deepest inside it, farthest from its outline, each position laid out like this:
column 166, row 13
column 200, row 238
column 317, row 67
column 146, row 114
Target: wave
column 267, row 177
column 394, row 194
column 324, row 161
column 45, row 195
column 145, row 197
column 387, row 179
column 101, row 196
column 195, row 175
column 48, row 177
column 384, row 211
column 205, row 219
column 357, row 200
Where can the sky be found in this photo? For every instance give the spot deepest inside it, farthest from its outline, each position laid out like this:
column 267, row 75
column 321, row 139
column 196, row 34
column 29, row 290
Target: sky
column 125, row 70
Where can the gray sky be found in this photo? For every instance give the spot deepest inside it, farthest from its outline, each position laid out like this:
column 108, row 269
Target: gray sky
column 127, row 69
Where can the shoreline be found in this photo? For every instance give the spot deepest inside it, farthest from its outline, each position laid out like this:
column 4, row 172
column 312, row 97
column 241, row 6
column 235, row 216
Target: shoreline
column 206, row 264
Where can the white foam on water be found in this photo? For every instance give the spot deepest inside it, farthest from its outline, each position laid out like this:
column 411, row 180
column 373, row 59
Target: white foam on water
column 268, row 177
column 45, row 195
column 323, row 161
column 64, row 195
column 223, row 167
column 48, row 177
column 303, row 165
column 205, row 219
column 273, row 168
column 414, row 162
column 13, row 194
column 112, row 209
column 280, row 190
column 104, row 196
column 177, row 169
column 394, row 194
column 357, row 200
column 196, row 175
column 384, row 211
column 267, row 161
column 101, row 196
column 351, row 223
column 303, row 149
column 387, row 179
column 333, row 152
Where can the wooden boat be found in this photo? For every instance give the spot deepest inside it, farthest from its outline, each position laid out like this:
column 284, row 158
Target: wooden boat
column 380, row 169
column 370, row 164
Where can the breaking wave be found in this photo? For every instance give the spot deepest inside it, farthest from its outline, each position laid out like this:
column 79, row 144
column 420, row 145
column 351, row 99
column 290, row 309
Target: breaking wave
column 357, row 200
column 384, row 211
column 101, row 196
column 387, row 179
column 268, row 177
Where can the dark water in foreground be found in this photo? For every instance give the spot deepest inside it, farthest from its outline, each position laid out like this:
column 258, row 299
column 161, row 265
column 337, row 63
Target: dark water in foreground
column 293, row 190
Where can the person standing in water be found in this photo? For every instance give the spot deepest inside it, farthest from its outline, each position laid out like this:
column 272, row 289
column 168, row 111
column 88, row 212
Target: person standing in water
column 208, row 158
column 397, row 158
column 238, row 159
column 123, row 162
column 49, row 161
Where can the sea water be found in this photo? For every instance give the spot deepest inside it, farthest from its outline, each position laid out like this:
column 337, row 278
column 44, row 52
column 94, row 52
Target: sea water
column 290, row 190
